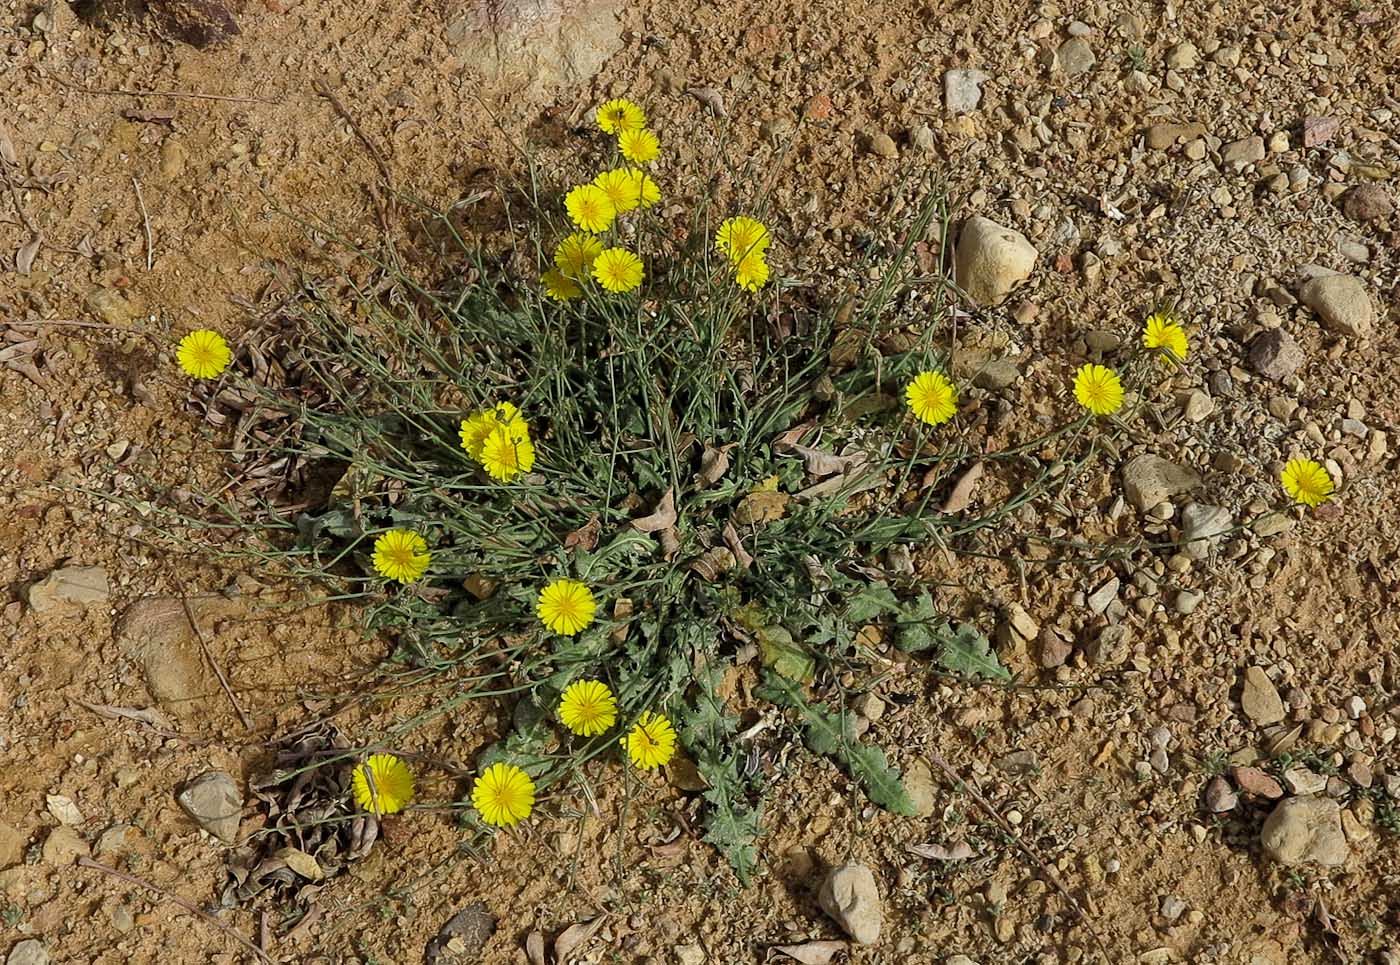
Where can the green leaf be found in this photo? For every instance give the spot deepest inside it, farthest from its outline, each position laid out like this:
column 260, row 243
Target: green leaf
column 875, row 600
column 921, row 627
column 784, row 655
column 970, row 653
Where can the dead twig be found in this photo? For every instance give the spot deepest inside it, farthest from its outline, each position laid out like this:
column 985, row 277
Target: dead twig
column 14, row 196
column 324, row 90
column 1026, row 849
column 184, row 903
column 209, row 655
column 121, row 92
column 145, row 219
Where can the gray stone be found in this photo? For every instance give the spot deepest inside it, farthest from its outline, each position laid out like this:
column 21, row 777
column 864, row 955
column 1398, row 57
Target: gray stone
column 991, row 260
column 962, row 89
column 1305, row 829
column 215, row 802
column 1275, row 355
column 70, row 588
column 1149, row 480
column 1219, row 797
column 1075, row 56
column 1172, row 908
column 850, row 897
column 1187, row 601
column 1109, row 647
column 1200, row 524
column 1304, row 781
column 31, row 951
column 1341, row 303
column 1260, row 698
column 1100, row 599
column 1248, row 150
column 996, row 375
column 921, row 137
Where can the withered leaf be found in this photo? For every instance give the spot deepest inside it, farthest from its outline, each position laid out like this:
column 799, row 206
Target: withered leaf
column 534, row 948
column 663, row 517
column 713, row 562
column 586, row 536
column 710, row 98
column 961, row 494
column 7, row 147
column 301, row 862
column 808, row 953
column 821, row 463
column 714, row 463
column 574, row 937
column 736, row 546
column 763, row 506
column 24, row 258
column 957, row 851
column 145, row 715
column 472, row 928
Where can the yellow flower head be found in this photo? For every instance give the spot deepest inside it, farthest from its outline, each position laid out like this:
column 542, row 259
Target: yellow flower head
column 204, row 354
column 932, row 398
column 1097, row 388
column 588, row 707
column 638, row 145
column 1164, row 332
column 618, row 270
column 651, row 742
column 506, row 453
column 647, row 190
column 559, row 286
column 590, row 208
column 566, row 606
column 751, row 272
column 383, row 784
column 620, row 115
column 477, row 426
column 1307, row 482
column 402, row 555
column 741, row 236
column 622, row 189
column 504, row 794
column 575, row 254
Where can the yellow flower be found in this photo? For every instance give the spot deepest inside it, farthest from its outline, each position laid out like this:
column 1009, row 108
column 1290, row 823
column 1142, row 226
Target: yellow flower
column 651, row 742
column 506, row 453
column 575, row 254
column 1307, row 482
column 622, row 189
column 618, row 270
column 647, row 190
column 476, row 427
column 504, row 794
column 402, row 555
column 740, row 237
column 620, row 115
column 638, row 145
column 204, row 354
column 383, row 784
column 1097, row 388
column 559, row 286
column 566, row 606
column 932, row 398
column 590, row 208
column 751, row 273
column 588, row 707
column 1164, row 332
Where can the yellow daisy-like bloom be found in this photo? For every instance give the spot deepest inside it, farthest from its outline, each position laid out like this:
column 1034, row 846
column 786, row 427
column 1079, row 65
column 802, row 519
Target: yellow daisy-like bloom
column 1307, row 482
column 639, row 145
column 559, row 286
column 622, row 189
column 575, row 254
column 932, row 398
column 647, row 191
column 476, row 427
column 1097, row 388
column 618, row 270
column 1164, row 332
column 204, row 354
column 588, row 707
column 383, row 784
column 590, row 208
column 566, row 606
column 506, row 453
column 751, row 273
column 504, row 794
column 402, row 555
column 620, row 115
column 651, row 742
column 741, row 237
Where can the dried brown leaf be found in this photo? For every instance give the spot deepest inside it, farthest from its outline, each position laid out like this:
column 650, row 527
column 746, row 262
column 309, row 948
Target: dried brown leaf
column 808, row 953
column 534, row 948
column 820, row 463
column 24, row 258
column 670, row 543
column 714, row 463
column 710, row 99
column 7, row 147
column 961, row 494
column 574, row 937
column 469, row 930
column 145, row 715
column 957, row 851
column 764, row 506
column 586, row 536
column 663, row 517
column 301, row 862
column 713, row 562
column 736, row 546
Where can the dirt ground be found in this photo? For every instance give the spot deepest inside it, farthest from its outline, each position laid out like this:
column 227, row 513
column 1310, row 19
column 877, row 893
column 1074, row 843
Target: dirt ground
column 161, row 212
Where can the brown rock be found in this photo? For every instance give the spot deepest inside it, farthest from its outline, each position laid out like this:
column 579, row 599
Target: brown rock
column 1275, row 355
column 881, row 145
column 1319, row 130
column 1054, row 649
column 1219, row 797
column 1253, row 781
column 817, row 108
column 12, row 844
column 156, row 634
column 1367, row 202
column 63, row 846
column 1260, row 698
column 1162, row 136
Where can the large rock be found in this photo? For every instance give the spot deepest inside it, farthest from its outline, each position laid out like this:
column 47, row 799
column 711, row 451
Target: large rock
column 992, row 260
column 850, row 897
column 1275, row 355
column 1305, row 829
column 156, row 634
column 1149, row 480
column 70, row 588
column 31, row 951
column 1260, row 698
column 216, row 804
column 1342, row 303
